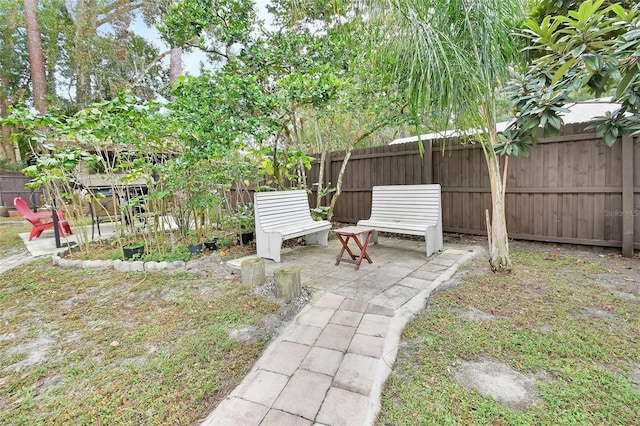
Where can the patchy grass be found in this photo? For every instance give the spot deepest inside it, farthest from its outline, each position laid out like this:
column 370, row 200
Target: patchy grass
column 570, row 319
column 10, row 242
column 103, row 347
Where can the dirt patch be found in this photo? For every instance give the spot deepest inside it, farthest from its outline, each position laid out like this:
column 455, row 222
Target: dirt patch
column 35, row 350
column 499, row 381
column 473, row 314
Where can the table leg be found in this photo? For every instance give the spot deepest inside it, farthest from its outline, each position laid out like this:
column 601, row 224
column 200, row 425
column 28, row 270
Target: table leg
column 363, row 248
column 345, row 246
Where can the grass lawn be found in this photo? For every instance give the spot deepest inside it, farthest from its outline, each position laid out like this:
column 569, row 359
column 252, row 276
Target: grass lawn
column 103, row 347
column 569, row 319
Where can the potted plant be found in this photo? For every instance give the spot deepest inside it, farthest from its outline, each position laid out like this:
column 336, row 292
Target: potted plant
column 133, row 251
column 246, row 222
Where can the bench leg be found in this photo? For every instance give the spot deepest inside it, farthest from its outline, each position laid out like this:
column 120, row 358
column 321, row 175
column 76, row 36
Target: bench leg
column 374, row 237
column 320, row 237
column 433, row 240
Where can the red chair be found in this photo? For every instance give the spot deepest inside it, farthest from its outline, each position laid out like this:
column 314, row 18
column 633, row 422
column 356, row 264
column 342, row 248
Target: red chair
column 35, row 219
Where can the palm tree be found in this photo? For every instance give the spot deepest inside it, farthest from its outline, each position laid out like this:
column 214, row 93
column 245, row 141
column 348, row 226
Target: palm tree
column 456, row 56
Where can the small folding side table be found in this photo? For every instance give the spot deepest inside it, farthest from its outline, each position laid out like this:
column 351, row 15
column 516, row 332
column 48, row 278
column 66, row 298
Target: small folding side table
column 358, row 234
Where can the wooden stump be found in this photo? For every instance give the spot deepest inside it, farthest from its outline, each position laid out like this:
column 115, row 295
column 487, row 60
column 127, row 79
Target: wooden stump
column 253, row 272
column 287, row 282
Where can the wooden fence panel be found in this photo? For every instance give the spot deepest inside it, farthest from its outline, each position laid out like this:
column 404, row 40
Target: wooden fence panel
column 569, row 190
column 12, row 186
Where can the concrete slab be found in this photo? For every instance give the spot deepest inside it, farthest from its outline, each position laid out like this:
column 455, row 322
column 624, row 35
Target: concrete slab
column 354, row 305
column 45, row 245
column 343, row 408
column 424, row 275
column 280, row 418
column 336, row 337
column 236, row 412
column 349, row 318
column 329, row 301
column 261, row 387
column 371, row 346
column 322, row 360
column 317, row 317
column 374, row 325
column 303, row 334
column 285, row 358
column 357, row 373
column 304, row 394
column 396, row 296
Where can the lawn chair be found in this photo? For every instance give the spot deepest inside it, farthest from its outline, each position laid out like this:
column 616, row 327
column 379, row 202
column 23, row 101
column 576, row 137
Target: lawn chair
column 35, row 219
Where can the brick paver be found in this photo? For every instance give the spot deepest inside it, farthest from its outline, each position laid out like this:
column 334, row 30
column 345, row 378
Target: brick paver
column 285, row 358
column 357, row 373
column 342, row 407
column 304, row 394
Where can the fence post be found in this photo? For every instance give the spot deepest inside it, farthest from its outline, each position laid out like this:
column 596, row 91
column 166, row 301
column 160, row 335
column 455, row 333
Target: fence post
column 628, row 212
column 428, row 162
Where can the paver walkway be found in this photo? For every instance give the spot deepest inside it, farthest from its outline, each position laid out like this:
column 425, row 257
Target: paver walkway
column 14, row 260
column 330, row 364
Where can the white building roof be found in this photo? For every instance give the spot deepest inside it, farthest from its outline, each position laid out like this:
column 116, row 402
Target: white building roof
column 579, row 112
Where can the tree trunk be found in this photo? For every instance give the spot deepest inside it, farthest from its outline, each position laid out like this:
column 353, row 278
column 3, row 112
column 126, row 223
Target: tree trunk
column 499, row 258
column 335, row 196
column 320, row 187
column 175, row 64
column 36, row 55
column 85, row 20
column 6, row 151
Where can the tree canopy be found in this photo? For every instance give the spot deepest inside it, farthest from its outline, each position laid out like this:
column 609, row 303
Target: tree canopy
column 592, row 47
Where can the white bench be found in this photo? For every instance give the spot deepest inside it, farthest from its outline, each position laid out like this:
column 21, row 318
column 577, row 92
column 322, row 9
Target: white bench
column 407, row 209
column 282, row 215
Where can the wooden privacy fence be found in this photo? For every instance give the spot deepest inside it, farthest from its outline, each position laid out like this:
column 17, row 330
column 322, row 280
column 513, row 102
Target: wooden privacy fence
column 12, row 186
column 571, row 189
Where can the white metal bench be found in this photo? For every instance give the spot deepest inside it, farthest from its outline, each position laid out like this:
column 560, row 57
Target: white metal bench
column 282, row 215
column 407, row 209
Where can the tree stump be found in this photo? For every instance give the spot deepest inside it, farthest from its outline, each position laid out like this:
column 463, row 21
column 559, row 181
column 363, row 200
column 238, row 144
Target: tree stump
column 287, row 282
column 253, row 272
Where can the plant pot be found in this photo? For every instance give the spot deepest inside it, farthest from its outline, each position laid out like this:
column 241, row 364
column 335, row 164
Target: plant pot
column 133, row 252
column 195, row 248
column 245, row 237
column 211, row 245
